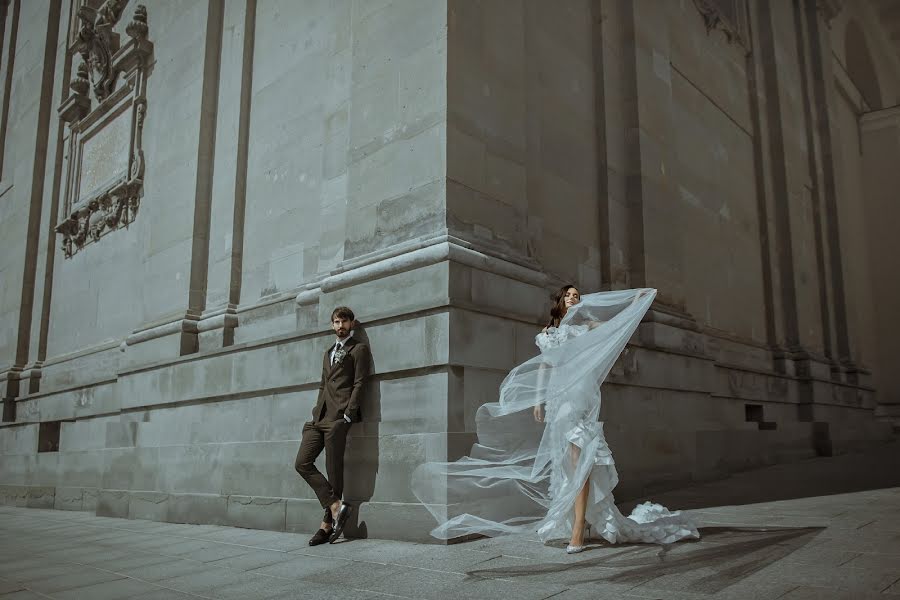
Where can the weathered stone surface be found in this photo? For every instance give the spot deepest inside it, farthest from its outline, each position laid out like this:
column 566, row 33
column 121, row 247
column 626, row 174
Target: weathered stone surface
column 256, row 512
column 439, row 167
column 152, row 506
column 197, row 508
column 113, row 503
column 68, row 498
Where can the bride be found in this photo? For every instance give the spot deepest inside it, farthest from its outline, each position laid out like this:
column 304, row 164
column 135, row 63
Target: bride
column 541, row 463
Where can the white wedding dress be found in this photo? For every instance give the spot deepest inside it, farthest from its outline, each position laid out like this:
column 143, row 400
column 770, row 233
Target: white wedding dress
column 523, row 476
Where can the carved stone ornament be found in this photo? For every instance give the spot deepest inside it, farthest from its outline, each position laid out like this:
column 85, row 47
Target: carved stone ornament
column 830, row 9
column 715, row 16
column 105, row 112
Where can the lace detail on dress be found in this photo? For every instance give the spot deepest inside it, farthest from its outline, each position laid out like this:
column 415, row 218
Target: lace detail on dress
column 555, row 336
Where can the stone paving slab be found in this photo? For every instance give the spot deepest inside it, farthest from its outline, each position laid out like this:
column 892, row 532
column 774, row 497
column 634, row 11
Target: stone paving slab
column 826, row 547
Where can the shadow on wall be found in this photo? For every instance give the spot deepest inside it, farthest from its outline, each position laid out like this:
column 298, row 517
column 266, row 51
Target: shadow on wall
column 362, row 460
column 872, row 469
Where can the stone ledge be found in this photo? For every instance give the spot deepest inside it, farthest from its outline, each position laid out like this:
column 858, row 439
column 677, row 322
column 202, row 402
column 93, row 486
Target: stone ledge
column 29, row 496
column 388, row 520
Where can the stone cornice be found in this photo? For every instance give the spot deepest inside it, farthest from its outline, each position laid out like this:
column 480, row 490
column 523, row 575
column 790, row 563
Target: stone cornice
column 428, row 252
column 880, row 119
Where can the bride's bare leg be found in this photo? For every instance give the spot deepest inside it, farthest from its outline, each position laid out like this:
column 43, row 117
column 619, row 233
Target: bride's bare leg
column 580, row 503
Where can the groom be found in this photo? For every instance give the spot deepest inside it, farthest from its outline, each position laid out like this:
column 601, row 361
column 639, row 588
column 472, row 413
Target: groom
column 345, row 368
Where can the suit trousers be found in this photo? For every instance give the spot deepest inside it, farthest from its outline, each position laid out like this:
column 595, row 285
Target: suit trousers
column 332, row 437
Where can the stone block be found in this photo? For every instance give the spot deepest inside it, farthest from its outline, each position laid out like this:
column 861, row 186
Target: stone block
column 264, row 468
column 113, row 503
column 197, row 508
column 19, row 439
column 286, row 413
column 145, row 388
column 151, row 351
column 269, row 320
column 89, row 499
column 393, row 31
column 406, row 404
column 391, row 520
column 302, row 515
column 256, row 512
column 211, row 339
column 121, row 435
column 381, row 467
column 474, row 388
column 44, row 469
column 86, row 434
column 12, row 495
column 69, row 498
column 278, row 365
column 481, row 340
column 409, row 344
column 205, row 378
column 151, row 506
column 394, row 294
column 82, row 468
column 82, row 369
column 190, row 469
column 119, row 465
column 40, row 497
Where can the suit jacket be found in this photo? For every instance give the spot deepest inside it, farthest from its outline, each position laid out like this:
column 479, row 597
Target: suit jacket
column 341, row 387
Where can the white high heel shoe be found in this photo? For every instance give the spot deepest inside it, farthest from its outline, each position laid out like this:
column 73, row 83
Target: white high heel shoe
column 572, row 549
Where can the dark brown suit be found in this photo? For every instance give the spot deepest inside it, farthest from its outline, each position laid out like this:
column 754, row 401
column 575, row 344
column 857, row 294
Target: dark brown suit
column 340, row 392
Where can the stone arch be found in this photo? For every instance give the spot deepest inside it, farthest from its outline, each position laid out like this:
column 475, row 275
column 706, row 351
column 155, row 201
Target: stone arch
column 860, row 66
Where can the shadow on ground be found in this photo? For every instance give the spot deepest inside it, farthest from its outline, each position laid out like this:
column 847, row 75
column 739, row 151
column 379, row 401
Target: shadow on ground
column 876, row 468
column 722, row 557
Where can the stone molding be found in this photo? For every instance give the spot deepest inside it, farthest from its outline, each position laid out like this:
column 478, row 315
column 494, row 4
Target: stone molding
column 429, row 252
column 880, row 119
column 177, row 326
column 222, row 319
column 104, row 184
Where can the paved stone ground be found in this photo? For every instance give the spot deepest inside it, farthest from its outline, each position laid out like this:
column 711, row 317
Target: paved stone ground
column 819, row 529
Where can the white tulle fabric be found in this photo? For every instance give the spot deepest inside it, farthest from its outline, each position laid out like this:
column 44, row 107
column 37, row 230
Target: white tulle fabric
column 523, row 476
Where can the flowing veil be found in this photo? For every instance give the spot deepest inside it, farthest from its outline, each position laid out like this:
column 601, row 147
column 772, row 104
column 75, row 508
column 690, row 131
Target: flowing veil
column 523, row 476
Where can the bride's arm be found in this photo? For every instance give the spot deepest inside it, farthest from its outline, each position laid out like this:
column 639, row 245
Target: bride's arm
column 539, row 407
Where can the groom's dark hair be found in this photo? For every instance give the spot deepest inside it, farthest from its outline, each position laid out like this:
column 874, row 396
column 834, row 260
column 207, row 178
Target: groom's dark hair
column 343, row 312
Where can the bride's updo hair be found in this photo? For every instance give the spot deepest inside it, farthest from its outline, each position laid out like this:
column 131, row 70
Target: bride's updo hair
column 559, row 305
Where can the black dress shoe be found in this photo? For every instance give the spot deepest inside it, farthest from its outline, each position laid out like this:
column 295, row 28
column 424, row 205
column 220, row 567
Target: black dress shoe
column 340, row 522
column 320, row 537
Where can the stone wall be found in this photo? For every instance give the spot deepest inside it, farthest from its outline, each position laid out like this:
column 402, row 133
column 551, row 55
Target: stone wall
column 440, row 167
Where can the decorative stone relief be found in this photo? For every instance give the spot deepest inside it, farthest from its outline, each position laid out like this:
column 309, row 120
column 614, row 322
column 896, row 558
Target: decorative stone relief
column 830, row 9
column 729, row 16
column 105, row 113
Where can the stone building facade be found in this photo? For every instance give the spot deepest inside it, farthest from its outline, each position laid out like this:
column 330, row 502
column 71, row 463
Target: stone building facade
column 188, row 188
